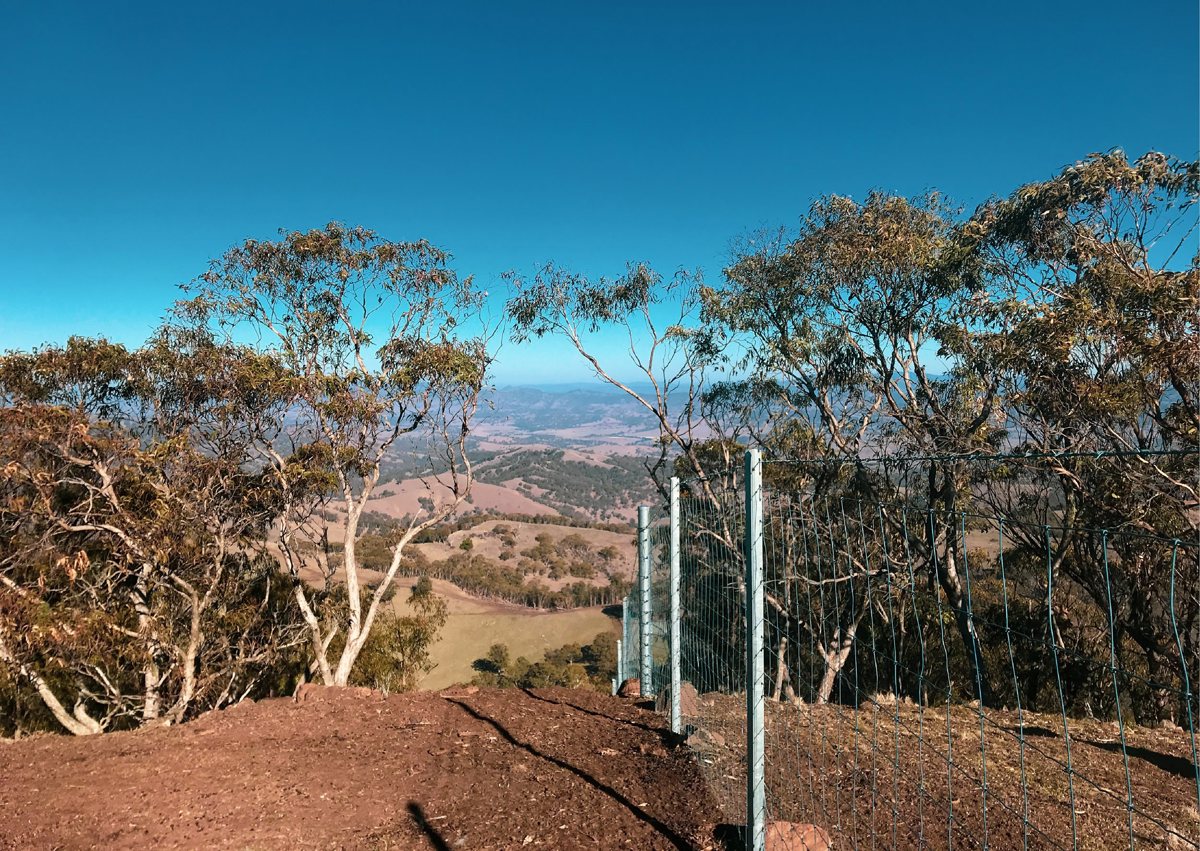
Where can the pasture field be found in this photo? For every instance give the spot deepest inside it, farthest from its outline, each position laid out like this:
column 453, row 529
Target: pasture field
column 475, row 624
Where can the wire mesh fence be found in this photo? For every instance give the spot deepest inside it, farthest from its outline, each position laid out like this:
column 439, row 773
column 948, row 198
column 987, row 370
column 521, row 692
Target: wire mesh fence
column 644, row 653
column 986, row 671
column 713, row 644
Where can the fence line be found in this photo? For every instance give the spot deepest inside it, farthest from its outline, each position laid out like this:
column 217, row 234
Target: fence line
column 675, row 611
column 756, row 793
column 904, row 675
column 645, row 611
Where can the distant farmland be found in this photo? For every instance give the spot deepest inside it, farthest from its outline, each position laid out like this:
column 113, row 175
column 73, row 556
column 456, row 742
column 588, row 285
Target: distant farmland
column 474, row 625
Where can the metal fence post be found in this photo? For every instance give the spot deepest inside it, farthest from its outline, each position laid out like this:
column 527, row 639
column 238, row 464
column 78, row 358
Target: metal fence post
column 620, row 675
column 756, row 797
column 676, row 678
column 647, row 628
column 628, row 669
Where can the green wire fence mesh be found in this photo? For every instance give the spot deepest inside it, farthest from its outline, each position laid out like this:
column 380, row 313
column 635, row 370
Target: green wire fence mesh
column 950, row 653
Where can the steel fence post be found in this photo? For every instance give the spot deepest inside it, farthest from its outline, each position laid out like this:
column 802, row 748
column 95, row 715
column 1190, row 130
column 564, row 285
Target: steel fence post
column 644, row 606
column 756, row 798
column 676, row 678
column 622, row 658
column 620, row 676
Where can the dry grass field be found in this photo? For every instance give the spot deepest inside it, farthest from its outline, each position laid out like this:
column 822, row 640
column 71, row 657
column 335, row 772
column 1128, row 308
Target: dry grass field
column 474, row 625
column 399, row 498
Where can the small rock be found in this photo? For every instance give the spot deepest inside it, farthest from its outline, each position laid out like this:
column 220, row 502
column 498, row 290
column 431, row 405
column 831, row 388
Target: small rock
column 632, row 687
column 460, row 691
column 306, row 692
column 689, row 700
column 705, row 740
column 791, row 836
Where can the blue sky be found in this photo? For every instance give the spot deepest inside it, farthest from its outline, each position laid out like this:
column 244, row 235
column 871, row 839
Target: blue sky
column 139, row 140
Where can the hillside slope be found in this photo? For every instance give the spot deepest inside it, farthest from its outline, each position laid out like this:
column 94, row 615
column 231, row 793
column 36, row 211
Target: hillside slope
column 476, row 769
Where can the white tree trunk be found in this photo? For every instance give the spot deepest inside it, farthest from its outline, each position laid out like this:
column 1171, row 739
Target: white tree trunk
column 320, row 643
column 78, row 723
column 835, row 659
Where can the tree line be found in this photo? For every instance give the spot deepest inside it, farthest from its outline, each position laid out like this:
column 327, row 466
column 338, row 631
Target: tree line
column 1056, row 326
column 165, row 511
column 590, row 665
column 164, row 547
column 577, row 488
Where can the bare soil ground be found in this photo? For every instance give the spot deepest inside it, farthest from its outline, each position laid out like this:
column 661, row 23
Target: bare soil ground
column 893, row 775
column 472, row 769
column 567, row 769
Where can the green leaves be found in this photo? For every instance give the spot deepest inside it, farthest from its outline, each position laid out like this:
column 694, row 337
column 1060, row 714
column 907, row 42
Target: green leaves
column 556, row 299
column 87, row 374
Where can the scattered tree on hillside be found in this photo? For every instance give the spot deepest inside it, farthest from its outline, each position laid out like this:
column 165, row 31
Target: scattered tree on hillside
column 364, row 345
column 576, row 488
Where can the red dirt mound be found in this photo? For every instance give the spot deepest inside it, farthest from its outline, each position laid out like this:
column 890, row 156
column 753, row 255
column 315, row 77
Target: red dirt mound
column 471, row 769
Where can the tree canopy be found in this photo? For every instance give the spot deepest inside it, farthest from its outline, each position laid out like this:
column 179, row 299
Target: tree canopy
column 164, row 511
column 1058, row 324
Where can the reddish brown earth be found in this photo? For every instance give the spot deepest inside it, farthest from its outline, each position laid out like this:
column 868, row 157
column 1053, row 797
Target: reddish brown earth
column 471, row 769
column 899, row 776
column 564, row 769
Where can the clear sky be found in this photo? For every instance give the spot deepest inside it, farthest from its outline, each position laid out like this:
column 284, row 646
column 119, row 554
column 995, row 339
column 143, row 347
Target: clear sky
column 138, row 140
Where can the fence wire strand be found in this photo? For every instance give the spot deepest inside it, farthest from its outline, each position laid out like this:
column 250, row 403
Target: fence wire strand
column 972, row 677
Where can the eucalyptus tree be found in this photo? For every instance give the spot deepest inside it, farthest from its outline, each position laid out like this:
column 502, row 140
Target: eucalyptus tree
column 672, row 354
column 354, row 347
column 701, row 429
column 134, row 584
column 868, row 320
column 705, row 418
column 1102, row 370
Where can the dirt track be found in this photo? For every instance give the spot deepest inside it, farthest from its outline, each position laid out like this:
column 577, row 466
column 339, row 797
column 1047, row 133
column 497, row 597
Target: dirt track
column 550, row 768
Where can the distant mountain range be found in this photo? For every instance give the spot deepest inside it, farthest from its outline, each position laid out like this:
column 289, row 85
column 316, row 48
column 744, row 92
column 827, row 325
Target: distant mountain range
column 564, row 449
column 572, row 416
